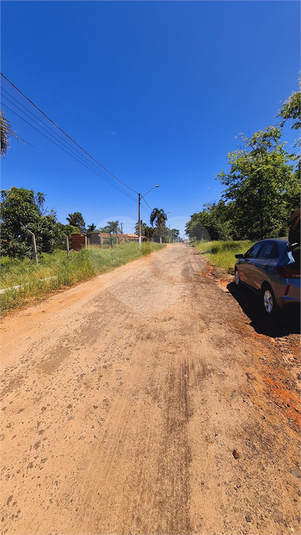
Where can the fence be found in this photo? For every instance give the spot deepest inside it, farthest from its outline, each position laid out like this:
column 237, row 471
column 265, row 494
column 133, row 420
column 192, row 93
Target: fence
column 99, row 239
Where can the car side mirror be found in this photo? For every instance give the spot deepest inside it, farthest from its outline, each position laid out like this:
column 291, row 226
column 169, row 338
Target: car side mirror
column 239, row 255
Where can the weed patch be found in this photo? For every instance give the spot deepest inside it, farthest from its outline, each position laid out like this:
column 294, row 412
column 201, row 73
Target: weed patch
column 222, row 253
column 24, row 280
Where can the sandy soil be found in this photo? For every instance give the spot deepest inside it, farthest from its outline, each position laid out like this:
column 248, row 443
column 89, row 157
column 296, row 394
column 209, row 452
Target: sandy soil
column 150, row 401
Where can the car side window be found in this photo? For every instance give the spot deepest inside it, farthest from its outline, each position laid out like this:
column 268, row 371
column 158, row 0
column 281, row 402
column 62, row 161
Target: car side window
column 253, row 252
column 269, row 250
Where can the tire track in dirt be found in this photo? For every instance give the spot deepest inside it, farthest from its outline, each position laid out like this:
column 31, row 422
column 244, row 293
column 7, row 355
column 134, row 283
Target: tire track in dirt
column 124, row 401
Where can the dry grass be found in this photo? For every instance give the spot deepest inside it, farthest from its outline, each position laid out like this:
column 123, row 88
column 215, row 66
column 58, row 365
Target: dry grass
column 36, row 281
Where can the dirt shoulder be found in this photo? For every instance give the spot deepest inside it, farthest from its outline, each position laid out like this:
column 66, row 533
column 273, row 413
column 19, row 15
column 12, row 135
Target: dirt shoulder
column 145, row 401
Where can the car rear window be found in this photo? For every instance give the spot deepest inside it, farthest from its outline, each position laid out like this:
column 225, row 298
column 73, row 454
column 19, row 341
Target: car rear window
column 269, row 250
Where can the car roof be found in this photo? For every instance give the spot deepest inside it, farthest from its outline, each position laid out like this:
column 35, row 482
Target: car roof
column 274, row 239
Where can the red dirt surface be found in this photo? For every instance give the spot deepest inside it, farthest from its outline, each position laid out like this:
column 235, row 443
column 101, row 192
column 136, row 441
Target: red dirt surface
column 155, row 399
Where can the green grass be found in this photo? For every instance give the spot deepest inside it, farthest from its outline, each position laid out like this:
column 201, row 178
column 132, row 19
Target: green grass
column 222, row 253
column 64, row 271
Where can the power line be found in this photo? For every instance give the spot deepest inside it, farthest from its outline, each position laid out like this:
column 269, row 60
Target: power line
column 106, row 179
column 66, row 144
column 51, row 132
column 67, row 147
column 146, row 203
column 76, row 156
column 52, row 122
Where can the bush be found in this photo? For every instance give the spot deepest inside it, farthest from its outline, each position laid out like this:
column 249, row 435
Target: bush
column 222, row 253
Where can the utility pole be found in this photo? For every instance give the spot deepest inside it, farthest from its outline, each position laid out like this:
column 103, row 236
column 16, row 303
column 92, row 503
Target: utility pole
column 34, row 245
column 139, row 220
column 67, row 243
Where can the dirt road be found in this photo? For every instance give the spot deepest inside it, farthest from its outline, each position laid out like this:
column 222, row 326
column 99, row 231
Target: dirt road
column 145, row 402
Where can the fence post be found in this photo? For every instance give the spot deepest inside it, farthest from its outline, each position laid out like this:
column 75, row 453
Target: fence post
column 67, row 243
column 86, row 242
column 100, row 239
column 34, row 245
column 112, row 242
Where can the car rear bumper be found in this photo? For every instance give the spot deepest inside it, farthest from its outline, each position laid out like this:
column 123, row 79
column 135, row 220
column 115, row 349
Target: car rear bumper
column 291, row 294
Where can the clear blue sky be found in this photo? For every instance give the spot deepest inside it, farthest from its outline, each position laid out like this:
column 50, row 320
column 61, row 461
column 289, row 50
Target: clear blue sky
column 155, row 91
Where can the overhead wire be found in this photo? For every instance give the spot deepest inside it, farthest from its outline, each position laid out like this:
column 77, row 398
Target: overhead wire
column 96, row 172
column 51, row 132
column 45, row 126
column 146, row 203
column 77, row 157
column 84, row 159
column 65, row 134
column 81, row 159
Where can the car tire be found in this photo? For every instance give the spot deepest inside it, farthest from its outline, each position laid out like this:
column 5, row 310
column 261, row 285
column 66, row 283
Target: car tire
column 237, row 278
column 270, row 306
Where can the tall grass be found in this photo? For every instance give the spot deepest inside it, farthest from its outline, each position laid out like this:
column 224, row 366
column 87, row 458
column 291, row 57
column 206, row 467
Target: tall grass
column 222, row 253
column 36, row 281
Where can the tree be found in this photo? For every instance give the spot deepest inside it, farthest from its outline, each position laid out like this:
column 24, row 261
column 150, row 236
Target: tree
column 91, row 227
column 6, row 132
column 23, row 210
column 214, row 222
column 77, row 220
column 291, row 109
column 146, row 231
column 158, row 217
column 60, row 230
column 174, row 234
column 112, row 227
column 261, row 185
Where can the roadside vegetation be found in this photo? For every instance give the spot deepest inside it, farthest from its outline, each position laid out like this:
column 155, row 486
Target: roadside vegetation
column 262, row 186
column 221, row 254
column 57, row 271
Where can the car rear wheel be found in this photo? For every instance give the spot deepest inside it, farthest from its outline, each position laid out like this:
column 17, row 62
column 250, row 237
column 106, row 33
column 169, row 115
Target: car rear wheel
column 269, row 304
column 237, row 279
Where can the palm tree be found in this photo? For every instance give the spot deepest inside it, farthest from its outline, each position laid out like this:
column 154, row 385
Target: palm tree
column 5, row 133
column 76, row 220
column 158, row 217
column 146, row 231
column 91, row 227
column 112, row 227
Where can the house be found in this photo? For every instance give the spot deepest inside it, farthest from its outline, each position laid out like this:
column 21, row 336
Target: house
column 131, row 237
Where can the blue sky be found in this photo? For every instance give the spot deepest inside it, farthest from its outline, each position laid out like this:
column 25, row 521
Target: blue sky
column 155, row 91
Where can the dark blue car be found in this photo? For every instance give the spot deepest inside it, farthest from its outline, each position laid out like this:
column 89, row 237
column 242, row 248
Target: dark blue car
column 270, row 269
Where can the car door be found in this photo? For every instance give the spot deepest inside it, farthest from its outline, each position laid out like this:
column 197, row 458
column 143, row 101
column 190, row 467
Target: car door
column 265, row 262
column 262, row 263
column 246, row 264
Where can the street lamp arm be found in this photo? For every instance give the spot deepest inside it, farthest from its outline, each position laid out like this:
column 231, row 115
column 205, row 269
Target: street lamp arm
column 148, row 191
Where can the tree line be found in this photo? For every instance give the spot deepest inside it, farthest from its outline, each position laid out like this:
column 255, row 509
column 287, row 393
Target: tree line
column 24, row 210
column 262, row 187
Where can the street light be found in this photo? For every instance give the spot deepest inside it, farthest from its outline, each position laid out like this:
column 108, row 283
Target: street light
column 139, row 220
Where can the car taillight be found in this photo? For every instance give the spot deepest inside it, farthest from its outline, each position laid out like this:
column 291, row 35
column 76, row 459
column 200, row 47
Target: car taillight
column 288, row 273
